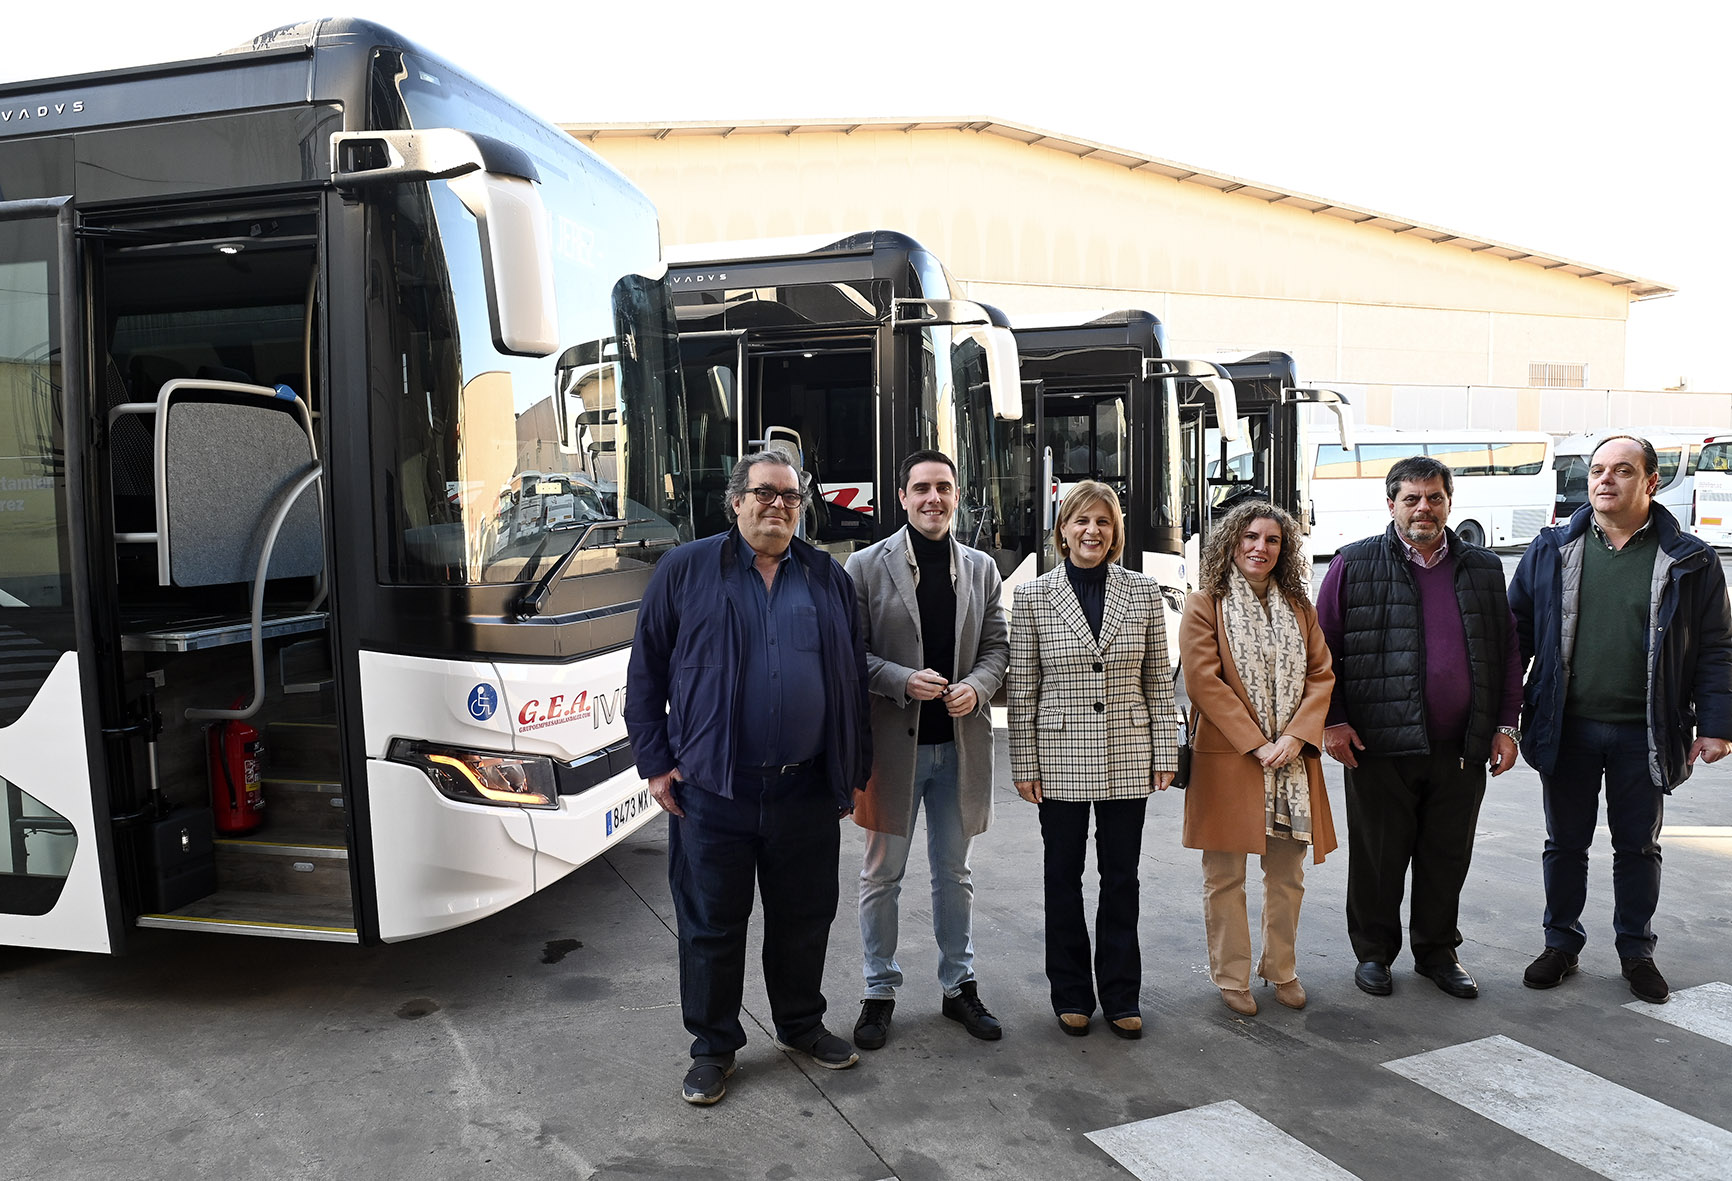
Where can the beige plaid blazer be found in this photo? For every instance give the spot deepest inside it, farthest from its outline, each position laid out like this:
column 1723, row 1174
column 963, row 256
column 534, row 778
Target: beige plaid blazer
column 1090, row 719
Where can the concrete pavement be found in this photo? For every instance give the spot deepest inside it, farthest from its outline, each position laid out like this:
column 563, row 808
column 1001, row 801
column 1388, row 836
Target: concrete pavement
column 502, row 1047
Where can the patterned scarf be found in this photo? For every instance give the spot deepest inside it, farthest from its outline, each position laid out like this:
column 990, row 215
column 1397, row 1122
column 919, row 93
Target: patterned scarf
column 1269, row 651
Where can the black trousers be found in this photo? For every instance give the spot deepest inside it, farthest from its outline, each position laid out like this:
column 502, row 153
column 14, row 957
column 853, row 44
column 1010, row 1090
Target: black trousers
column 781, row 833
column 1118, row 959
column 1420, row 810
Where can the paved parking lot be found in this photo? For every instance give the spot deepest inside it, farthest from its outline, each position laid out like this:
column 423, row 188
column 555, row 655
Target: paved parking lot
column 546, row 1042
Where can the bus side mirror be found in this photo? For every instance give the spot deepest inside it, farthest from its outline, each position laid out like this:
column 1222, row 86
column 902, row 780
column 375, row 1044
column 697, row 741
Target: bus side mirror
column 985, row 325
column 1003, row 368
column 1336, row 401
column 496, row 183
column 1211, row 377
column 517, row 261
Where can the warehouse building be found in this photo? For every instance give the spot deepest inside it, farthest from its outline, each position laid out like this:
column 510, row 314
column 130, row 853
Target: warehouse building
column 1419, row 325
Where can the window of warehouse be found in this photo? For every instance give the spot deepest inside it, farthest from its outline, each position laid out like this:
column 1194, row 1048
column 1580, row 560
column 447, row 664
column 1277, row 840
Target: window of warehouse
column 1557, row 375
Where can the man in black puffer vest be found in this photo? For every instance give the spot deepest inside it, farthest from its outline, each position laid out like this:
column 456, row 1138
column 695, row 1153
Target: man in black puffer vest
column 1427, row 692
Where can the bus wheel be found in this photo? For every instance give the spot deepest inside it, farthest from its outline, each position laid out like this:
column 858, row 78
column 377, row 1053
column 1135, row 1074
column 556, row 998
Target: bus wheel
column 1471, row 533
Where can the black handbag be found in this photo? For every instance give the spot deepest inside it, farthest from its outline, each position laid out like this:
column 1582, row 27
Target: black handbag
column 1182, row 779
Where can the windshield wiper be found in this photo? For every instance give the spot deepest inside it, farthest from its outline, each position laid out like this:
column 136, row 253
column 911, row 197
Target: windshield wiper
column 530, row 605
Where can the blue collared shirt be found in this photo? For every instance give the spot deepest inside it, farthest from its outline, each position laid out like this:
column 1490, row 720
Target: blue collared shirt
column 781, row 712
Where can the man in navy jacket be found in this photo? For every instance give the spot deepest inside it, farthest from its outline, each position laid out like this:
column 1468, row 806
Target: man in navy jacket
column 1625, row 619
column 746, row 705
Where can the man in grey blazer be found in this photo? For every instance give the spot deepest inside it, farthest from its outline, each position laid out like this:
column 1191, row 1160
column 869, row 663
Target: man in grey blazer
column 937, row 646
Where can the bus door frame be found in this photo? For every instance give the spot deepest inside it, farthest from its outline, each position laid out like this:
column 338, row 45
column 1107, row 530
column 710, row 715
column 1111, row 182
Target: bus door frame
column 87, row 915
column 1136, row 445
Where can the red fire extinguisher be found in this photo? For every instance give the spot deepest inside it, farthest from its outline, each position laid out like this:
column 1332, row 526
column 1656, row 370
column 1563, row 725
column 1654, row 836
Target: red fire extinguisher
column 237, row 798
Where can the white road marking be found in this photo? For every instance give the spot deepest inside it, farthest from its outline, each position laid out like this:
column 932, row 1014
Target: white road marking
column 1612, row 1130
column 1209, row 1143
column 1705, row 1009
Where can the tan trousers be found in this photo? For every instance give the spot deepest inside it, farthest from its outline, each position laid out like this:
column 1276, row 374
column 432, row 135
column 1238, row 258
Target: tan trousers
column 1229, row 928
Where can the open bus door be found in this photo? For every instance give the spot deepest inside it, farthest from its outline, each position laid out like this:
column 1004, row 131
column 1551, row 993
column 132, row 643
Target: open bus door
column 57, row 877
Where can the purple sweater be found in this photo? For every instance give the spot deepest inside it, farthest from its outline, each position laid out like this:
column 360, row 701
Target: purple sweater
column 1448, row 685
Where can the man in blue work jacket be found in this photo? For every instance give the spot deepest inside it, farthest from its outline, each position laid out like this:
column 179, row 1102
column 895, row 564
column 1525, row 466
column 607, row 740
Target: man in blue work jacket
column 747, row 709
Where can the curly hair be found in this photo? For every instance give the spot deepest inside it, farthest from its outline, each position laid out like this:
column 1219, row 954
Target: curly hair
column 1223, row 542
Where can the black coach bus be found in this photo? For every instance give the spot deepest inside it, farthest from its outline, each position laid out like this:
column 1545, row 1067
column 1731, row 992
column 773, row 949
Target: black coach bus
column 1181, row 439
column 847, row 354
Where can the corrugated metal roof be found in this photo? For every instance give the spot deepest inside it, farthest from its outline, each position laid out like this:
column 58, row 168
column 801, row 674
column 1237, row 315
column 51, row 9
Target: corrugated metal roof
column 1638, row 288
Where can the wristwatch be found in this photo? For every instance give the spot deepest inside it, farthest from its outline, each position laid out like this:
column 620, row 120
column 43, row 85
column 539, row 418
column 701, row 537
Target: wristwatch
column 1515, row 735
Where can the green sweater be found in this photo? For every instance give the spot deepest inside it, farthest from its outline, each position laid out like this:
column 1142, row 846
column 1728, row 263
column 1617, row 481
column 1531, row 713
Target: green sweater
column 1609, row 669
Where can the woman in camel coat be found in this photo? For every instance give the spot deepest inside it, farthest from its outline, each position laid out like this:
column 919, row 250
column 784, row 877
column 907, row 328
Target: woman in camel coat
column 1258, row 674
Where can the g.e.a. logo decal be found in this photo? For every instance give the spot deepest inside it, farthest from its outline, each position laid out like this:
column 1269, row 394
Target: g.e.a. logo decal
column 600, row 708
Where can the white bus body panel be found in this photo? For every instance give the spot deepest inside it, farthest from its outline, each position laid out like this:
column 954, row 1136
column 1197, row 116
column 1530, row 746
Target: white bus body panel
column 565, row 710
column 438, row 862
column 588, row 825
column 1170, row 570
column 455, row 701
column 1713, row 496
column 43, row 754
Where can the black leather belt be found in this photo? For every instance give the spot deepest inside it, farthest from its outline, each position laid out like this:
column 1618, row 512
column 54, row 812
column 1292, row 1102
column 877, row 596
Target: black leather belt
column 775, row 770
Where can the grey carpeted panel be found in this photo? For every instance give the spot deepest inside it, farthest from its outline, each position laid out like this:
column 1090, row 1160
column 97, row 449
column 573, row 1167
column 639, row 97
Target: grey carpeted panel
column 227, row 467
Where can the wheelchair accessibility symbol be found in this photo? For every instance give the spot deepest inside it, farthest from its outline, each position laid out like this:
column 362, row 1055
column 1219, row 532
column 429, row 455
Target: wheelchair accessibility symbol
column 483, row 702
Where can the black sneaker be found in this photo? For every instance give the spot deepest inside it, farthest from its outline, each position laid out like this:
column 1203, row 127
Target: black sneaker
column 1549, row 970
column 1645, row 980
column 706, row 1082
column 825, row 1049
column 873, row 1028
column 967, row 1008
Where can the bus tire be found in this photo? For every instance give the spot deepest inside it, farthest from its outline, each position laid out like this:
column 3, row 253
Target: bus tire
column 1470, row 533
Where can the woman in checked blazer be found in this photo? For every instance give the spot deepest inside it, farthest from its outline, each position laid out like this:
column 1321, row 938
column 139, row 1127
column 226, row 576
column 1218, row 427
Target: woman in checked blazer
column 1091, row 723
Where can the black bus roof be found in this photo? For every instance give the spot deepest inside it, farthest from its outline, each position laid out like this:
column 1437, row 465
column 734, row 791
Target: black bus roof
column 1125, row 329
column 296, row 40
column 869, row 254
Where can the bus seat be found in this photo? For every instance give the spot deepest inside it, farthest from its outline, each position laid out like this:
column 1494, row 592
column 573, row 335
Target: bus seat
column 223, row 373
column 226, row 467
column 147, row 373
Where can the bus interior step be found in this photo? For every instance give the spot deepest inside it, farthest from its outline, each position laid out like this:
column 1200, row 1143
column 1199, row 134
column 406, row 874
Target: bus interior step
column 244, row 912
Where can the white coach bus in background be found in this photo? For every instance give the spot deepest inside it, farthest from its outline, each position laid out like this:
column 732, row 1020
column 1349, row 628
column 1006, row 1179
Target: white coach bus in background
column 1711, row 519
column 1677, row 452
column 1504, row 485
column 340, row 413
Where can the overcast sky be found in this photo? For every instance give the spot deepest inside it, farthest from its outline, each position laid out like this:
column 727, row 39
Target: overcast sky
column 1591, row 131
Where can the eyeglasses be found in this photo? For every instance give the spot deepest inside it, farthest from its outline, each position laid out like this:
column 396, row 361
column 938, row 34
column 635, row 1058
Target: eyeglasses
column 790, row 497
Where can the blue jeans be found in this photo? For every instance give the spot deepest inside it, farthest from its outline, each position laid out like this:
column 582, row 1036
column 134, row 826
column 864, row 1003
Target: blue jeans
column 1588, row 752
column 936, row 786
column 783, row 831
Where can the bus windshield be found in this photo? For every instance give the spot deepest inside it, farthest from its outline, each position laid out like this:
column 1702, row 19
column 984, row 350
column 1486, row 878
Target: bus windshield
column 477, row 471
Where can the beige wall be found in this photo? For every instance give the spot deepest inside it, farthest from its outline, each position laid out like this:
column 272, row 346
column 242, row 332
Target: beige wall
column 1034, row 230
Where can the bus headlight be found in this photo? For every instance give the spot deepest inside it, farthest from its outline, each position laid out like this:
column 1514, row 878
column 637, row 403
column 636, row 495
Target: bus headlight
column 482, row 777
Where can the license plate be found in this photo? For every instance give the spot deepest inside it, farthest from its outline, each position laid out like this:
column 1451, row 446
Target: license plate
column 627, row 810
column 1710, row 520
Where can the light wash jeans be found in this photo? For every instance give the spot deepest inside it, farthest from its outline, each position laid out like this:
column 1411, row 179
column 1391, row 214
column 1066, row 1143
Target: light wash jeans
column 952, row 881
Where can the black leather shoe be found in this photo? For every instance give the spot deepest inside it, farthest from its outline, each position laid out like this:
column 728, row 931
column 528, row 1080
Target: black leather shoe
column 706, row 1082
column 967, row 1008
column 1645, row 980
column 1450, row 976
column 1374, row 978
column 1549, row 970
column 873, row 1028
